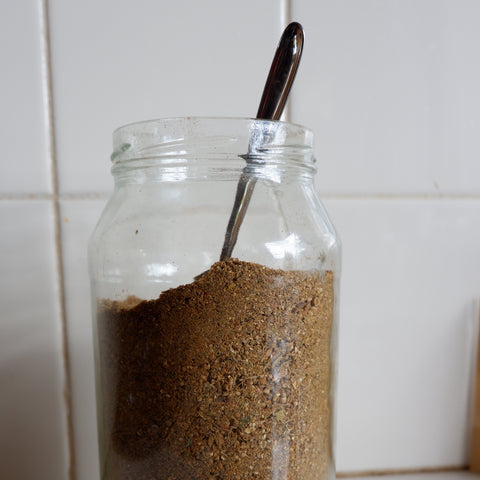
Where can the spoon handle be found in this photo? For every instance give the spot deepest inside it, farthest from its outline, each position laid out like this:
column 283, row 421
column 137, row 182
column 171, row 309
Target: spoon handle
column 282, row 73
column 275, row 93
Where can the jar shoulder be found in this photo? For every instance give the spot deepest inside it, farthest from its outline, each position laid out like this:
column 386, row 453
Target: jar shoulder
column 169, row 234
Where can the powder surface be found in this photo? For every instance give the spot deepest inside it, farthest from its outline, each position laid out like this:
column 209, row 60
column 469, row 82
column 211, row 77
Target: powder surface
column 228, row 377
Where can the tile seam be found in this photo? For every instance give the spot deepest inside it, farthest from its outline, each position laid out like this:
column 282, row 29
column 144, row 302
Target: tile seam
column 399, row 196
column 22, row 197
column 474, row 416
column 285, row 19
column 55, row 199
column 336, row 196
column 86, row 196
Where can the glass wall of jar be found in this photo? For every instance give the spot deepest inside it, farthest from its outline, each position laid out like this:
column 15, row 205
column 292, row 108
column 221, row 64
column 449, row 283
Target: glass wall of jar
column 207, row 368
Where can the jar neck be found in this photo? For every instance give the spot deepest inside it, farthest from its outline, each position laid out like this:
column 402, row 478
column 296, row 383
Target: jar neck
column 192, row 148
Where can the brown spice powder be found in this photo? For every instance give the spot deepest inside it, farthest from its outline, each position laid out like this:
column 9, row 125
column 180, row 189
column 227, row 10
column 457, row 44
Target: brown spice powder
column 228, row 377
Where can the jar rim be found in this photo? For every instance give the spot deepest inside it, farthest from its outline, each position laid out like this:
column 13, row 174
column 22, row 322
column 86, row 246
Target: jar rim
column 174, row 136
column 195, row 118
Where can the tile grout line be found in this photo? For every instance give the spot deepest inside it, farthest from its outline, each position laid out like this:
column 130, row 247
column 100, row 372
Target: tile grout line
column 285, row 19
column 474, row 433
column 55, row 199
column 330, row 196
column 399, row 196
column 22, row 197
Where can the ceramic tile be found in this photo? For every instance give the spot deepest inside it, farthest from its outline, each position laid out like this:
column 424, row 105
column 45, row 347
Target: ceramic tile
column 32, row 414
column 78, row 221
column 408, row 310
column 24, row 167
column 390, row 89
column 119, row 62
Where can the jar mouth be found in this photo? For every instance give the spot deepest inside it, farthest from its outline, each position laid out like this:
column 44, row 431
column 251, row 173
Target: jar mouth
column 179, row 139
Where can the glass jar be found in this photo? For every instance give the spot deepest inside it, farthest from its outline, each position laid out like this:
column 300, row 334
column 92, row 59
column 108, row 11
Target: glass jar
column 205, row 368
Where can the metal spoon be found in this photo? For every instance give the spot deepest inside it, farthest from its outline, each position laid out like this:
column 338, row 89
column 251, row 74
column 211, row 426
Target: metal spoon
column 275, row 93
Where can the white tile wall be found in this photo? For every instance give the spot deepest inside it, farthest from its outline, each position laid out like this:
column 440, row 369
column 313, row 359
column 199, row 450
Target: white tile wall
column 390, row 89
column 409, row 308
column 148, row 59
column 25, row 160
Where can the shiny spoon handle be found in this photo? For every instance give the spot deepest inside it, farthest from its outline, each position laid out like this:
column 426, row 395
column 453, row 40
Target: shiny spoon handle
column 282, row 73
column 275, row 93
